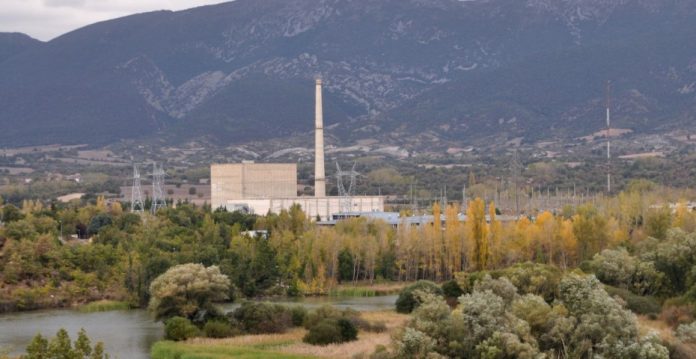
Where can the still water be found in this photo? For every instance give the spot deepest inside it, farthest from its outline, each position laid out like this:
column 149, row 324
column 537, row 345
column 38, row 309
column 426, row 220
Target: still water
column 130, row 334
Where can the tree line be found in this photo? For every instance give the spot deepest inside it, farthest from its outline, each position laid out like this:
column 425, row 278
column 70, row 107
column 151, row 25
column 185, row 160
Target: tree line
column 63, row 255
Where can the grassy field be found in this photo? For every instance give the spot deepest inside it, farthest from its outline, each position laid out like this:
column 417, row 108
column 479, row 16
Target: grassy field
column 287, row 345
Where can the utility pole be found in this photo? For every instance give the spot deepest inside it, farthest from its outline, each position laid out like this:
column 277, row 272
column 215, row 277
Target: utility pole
column 515, row 174
column 608, row 103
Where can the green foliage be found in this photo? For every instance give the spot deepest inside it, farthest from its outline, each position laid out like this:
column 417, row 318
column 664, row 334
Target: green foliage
column 408, row 301
column 493, row 321
column 98, row 222
column 658, row 222
column 187, row 290
column 261, row 318
column 329, row 331
column 528, row 278
column 11, row 213
column 451, row 289
column 618, row 268
column 60, row 347
column 178, row 328
column 590, row 229
column 636, row 303
column 219, row 329
column 299, row 315
column 675, row 257
column 104, row 306
column 328, row 312
column 501, row 287
column 346, row 268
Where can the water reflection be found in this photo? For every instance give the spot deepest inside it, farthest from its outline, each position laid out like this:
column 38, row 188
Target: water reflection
column 130, row 334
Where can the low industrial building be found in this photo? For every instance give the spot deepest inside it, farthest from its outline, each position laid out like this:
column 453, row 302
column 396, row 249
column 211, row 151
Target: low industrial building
column 261, row 188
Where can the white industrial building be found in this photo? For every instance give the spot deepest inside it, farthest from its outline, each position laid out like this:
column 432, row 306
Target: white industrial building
column 261, row 188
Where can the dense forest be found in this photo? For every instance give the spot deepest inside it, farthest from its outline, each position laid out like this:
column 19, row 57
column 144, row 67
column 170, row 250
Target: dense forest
column 640, row 247
column 115, row 254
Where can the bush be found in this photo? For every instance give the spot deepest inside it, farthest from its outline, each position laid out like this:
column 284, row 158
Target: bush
column 407, row 301
column 500, row 287
column 636, row 303
column 329, row 331
column 261, row 318
column 348, row 330
column 178, row 328
column 317, row 315
column 533, row 278
column 298, row 314
column 687, row 333
column 452, row 290
column 218, row 329
column 618, row 268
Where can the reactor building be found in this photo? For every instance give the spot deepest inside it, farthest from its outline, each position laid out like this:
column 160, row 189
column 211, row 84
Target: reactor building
column 262, row 188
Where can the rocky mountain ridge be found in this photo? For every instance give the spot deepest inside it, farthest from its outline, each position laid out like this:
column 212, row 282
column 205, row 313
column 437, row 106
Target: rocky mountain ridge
column 401, row 71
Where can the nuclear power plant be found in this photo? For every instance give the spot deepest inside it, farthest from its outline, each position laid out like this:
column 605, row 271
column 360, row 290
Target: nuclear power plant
column 261, row 188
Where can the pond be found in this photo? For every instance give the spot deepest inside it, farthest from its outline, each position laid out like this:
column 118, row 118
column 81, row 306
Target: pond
column 130, row 334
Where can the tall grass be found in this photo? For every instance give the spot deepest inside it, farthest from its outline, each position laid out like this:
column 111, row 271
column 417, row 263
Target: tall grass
column 168, row 350
column 369, row 290
column 104, row 306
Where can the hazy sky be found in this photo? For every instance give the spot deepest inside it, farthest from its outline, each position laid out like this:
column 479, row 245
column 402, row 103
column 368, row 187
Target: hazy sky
column 46, row 19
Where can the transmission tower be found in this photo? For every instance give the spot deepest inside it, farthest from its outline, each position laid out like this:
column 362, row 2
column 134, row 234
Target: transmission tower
column 136, row 192
column 515, row 166
column 158, row 200
column 608, row 137
column 346, row 194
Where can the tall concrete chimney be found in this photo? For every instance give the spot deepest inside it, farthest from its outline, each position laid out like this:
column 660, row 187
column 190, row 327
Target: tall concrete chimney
column 319, row 175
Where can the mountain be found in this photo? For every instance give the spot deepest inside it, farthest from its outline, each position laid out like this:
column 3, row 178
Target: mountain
column 404, row 71
column 14, row 43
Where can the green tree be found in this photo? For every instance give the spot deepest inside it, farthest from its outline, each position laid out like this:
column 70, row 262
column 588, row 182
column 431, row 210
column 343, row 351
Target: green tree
column 590, row 229
column 187, row 290
column 60, row 347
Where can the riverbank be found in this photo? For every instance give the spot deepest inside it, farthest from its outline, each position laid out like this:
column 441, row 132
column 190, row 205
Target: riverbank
column 26, row 299
column 286, row 345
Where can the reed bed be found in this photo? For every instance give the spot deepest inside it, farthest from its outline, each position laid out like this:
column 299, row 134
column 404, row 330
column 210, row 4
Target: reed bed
column 104, row 306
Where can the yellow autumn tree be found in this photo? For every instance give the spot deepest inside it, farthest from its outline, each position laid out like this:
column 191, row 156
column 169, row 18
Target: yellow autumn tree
column 568, row 244
column 495, row 236
column 684, row 218
column 477, row 230
column 453, row 241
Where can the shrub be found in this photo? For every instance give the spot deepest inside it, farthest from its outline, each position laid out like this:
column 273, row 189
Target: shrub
column 533, row 278
column 298, row 314
column 636, row 303
column 348, row 330
column 328, row 331
column 407, row 301
column 452, row 290
column 261, row 318
column 323, row 312
column 687, row 333
column 618, row 268
column 218, row 329
column 500, row 287
column 178, row 328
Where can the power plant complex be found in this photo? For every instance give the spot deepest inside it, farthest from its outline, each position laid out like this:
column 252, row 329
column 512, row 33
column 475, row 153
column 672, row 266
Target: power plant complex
column 262, row 188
